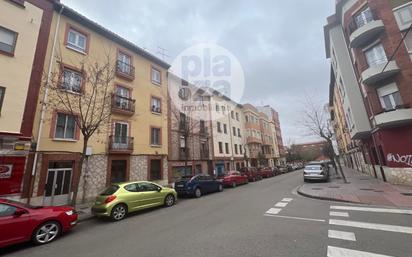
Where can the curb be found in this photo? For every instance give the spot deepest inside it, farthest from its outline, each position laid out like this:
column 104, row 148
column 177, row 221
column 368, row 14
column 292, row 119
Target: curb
column 299, row 191
column 88, row 217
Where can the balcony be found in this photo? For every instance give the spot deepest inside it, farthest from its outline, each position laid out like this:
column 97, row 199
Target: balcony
column 397, row 117
column 182, row 153
column 120, row 145
column 376, row 73
column 365, row 28
column 204, row 131
column 123, row 105
column 204, row 154
column 124, row 70
column 255, row 140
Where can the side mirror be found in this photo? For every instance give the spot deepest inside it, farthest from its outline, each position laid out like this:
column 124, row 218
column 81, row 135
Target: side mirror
column 19, row 212
column 159, row 189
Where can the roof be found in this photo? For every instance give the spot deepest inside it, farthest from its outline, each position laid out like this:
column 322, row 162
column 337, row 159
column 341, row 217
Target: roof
column 86, row 22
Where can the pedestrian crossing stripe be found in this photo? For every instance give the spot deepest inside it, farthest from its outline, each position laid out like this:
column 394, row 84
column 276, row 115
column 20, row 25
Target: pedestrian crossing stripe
column 371, row 209
column 339, row 214
column 342, row 235
column 343, row 252
column 374, row 226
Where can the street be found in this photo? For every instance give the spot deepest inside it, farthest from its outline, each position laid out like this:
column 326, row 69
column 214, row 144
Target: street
column 264, row 218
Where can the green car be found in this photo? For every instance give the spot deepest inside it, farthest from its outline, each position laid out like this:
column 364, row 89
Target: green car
column 119, row 199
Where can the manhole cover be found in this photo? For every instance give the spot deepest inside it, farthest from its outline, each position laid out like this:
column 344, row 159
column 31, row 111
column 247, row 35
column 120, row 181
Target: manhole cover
column 407, row 194
column 334, row 187
column 366, row 189
column 317, row 188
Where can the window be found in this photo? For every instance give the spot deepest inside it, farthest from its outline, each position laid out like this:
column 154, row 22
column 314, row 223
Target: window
column 240, row 149
column 123, row 98
column 232, row 114
column 65, row 126
column 389, row 97
column 124, row 63
column 223, row 110
column 224, row 128
column 364, row 17
column 156, row 76
column 236, row 152
column 220, row 147
column 77, row 40
column 237, row 116
column 247, row 118
column 7, row 210
column 155, row 174
column 227, row 147
column 132, row 187
column 2, row 93
column 238, row 132
column 8, row 40
column 408, row 42
column 155, row 136
column 72, row 80
column 375, row 55
column 183, row 121
column 217, row 107
column 156, row 104
column 121, row 133
column 202, row 126
column 234, row 131
column 219, row 128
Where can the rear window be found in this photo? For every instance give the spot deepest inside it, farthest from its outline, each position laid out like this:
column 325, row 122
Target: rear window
column 313, row 167
column 110, row 190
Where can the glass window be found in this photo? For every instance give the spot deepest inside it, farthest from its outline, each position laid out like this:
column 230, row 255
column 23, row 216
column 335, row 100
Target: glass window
column 224, row 128
column 124, row 63
column 237, row 116
column 376, row 55
column 227, row 147
column 234, row 131
column 232, row 114
column 217, row 107
column 364, row 17
column 72, row 80
column 156, row 76
column 236, row 149
column 389, row 97
column 147, row 187
column 220, row 147
column 155, row 137
column 238, row 132
column 156, row 105
column 7, row 40
column 65, row 126
column 132, row 187
column 219, row 127
column 77, row 40
column 7, row 210
column 408, row 42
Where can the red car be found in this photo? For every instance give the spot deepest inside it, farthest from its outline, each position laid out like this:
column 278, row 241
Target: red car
column 234, row 178
column 21, row 222
column 266, row 172
column 251, row 173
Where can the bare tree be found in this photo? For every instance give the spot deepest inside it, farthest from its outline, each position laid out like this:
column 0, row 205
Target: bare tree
column 316, row 120
column 85, row 96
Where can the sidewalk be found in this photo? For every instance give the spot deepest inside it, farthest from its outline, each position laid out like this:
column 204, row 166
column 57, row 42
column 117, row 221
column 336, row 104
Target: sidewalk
column 84, row 211
column 361, row 188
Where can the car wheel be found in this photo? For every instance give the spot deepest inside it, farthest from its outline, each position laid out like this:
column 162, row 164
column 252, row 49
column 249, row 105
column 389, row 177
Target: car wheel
column 198, row 193
column 220, row 188
column 46, row 232
column 233, row 184
column 305, row 180
column 169, row 200
column 119, row 212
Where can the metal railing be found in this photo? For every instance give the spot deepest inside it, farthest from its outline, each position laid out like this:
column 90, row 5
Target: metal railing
column 117, row 143
column 123, row 103
column 125, row 69
column 362, row 19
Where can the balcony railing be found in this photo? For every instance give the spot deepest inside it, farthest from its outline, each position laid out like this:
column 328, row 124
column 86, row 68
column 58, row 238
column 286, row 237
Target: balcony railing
column 121, row 144
column 362, row 19
column 123, row 105
column 182, row 153
column 364, row 28
column 124, row 70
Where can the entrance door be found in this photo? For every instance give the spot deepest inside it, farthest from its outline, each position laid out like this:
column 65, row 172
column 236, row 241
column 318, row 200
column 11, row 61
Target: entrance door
column 57, row 189
column 118, row 173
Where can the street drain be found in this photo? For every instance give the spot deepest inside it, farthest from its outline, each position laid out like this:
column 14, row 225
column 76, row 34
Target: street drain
column 407, row 194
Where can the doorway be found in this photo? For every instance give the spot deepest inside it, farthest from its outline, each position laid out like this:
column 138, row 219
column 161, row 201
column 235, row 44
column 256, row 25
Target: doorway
column 118, row 172
column 58, row 183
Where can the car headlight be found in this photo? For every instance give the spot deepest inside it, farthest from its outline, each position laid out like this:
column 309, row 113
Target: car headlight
column 69, row 213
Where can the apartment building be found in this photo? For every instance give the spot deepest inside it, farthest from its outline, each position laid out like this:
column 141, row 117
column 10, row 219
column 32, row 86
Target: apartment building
column 227, row 134
column 134, row 145
column 24, row 32
column 253, row 136
column 373, row 67
column 190, row 128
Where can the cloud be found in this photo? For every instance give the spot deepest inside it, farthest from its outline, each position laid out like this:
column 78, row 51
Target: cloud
column 278, row 43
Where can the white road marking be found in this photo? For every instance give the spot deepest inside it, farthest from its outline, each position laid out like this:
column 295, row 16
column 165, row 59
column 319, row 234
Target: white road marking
column 292, row 217
column 273, row 211
column 341, row 235
column 287, row 199
column 342, row 252
column 339, row 214
column 375, row 226
column 371, row 209
column 280, row 204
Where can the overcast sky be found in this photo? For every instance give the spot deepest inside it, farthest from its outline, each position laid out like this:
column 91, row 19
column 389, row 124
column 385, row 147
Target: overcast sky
column 278, row 43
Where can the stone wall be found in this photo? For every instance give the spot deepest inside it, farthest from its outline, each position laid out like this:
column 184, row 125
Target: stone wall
column 399, row 176
column 138, row 167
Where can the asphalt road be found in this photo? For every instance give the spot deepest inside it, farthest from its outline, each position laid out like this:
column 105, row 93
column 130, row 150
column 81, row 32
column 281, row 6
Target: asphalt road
column 239, row 222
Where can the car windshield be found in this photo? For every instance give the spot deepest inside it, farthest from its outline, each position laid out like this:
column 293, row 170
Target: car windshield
column 25, row 205
column 313, row 167
column 110, row 190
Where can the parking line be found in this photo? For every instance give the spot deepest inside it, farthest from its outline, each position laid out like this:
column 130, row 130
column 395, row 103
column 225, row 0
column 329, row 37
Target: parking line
column 342, row 252
column 343, row 235
column 339, row 214
column 371, row 209
column 292, row 217
column 273, row 211
column 281, row 204
column 374, row 226
column 287, row 199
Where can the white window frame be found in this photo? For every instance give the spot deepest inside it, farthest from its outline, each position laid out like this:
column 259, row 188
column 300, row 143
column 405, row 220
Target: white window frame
column 156, row 104
column 377, row 61
column 65, row 127
column 388, row 90
column 12, row 45
column 72, row 80
column 156, row 76
column 159, row 130
column 76, row 45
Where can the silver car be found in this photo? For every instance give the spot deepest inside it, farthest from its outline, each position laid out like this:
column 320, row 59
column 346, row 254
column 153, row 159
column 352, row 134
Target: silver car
column 316, row 171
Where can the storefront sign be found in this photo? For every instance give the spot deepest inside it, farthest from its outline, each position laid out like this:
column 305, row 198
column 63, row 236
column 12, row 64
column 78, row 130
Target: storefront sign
column 5, row 171
column 397, row 158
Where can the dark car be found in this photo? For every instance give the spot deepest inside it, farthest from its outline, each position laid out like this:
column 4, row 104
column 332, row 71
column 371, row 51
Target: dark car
column 251, row 173
column 266, row 172
column 197, row 185
column 276, row 171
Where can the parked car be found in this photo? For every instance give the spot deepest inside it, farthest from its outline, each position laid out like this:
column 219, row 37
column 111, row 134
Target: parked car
column 251, row 173
column 316, row 171
column 276, row 171
column 234, row 178
column 283, row 170
column 21, row 222
column 266, row 172
column 197, row 185
column 119, row 199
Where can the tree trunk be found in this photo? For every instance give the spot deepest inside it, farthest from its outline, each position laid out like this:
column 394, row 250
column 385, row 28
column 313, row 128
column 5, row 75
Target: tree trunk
column 341, row 170
column 85, row 176
column 80, row 166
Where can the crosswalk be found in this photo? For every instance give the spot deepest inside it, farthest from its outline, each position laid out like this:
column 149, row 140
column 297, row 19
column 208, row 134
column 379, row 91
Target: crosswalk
column 279, row 205
column 340, row 229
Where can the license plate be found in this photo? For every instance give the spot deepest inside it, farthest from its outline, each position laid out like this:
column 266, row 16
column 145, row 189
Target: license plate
column 179, row 185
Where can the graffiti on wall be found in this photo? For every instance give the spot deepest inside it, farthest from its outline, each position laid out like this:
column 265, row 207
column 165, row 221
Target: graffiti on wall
column 397, row 158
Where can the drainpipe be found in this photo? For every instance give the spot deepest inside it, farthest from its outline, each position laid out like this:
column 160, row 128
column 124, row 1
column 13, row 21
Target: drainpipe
column 43, row 105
